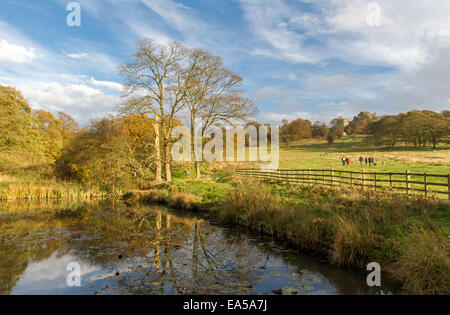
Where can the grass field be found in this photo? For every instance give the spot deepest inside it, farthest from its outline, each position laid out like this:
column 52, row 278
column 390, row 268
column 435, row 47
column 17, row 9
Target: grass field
column 320, row 155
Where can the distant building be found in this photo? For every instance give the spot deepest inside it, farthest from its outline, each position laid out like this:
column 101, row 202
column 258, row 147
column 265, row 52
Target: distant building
column 366, row 117
column 361, row 122
column 342, row 123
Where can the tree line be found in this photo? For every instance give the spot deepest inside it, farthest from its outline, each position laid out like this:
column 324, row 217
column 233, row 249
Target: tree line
column 417, row 128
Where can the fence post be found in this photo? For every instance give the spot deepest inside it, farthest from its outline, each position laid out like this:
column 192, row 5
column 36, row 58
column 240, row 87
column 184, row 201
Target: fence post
column 309, row 175
column 425, row 183
column 375, row 181
column 448, row 186
column 332, row 176
column 407, row 182
column 363, row 179
column 390, row 180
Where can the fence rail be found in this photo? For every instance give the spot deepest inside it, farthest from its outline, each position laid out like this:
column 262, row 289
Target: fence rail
column 427, row 184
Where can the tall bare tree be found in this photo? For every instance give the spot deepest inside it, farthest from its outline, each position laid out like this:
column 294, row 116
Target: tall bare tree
column 156, row 82
column 213, row 96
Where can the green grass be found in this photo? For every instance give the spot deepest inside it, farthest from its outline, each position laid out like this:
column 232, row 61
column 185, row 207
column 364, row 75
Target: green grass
column 318, row 154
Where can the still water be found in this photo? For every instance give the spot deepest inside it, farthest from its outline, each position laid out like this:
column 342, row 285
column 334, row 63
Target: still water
column 152, row 250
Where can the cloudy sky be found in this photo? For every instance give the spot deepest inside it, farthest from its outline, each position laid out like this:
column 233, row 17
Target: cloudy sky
column 315, row 59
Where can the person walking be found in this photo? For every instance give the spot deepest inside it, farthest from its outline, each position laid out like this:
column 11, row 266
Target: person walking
column 361, row 160
column 366, row 161
column 347, row 160
column 343, row 161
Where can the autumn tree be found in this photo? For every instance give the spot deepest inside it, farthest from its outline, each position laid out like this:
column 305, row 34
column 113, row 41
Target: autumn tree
column 386, row 130
column 96, row 156
column 446, row 113
column 20, row 141
column 426, row 126
column 50, row 132
column 69, row 126
column 417, row 127
column 320, row 130
column 139, row 145
column 156, row 82
column 16, row 121
column 296, row 130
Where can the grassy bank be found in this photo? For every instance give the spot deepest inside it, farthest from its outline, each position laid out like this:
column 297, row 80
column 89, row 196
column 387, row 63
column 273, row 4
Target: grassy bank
column 408, row 236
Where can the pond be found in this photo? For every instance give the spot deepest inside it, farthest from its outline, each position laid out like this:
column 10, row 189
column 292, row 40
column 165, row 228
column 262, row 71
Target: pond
column 123, row 249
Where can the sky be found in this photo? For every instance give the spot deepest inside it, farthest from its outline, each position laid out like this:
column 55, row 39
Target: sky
column 314, row 59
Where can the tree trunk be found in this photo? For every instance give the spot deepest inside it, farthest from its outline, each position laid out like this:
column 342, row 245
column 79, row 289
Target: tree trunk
column 198, row 174
column 158, row 172
column 168, row 166
column 168, row 172
column 197, row 170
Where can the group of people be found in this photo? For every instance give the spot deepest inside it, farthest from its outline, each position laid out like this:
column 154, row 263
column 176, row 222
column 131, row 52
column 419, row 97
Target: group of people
column 368, row 160
column 345, row 161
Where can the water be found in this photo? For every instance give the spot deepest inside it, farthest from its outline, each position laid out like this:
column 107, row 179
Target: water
column 152, row 250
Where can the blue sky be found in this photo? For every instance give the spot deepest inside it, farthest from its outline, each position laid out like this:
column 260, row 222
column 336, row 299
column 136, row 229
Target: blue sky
column 311, row 59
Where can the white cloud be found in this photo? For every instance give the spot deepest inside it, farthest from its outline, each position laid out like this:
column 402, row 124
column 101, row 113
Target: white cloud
column 15, row 53
column 78, row 56
column 404, row 40
column 268, row 20
column 412, row 45
column 108, row 84
column 263, row 52
column 79, row 100
column 175, row 14
column 277, row 118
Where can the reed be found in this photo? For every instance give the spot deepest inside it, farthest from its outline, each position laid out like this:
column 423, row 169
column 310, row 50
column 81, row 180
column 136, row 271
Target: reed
column 49, row 190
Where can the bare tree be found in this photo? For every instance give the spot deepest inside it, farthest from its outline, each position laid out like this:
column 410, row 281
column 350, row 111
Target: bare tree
column 213, row 95
column 156, row 81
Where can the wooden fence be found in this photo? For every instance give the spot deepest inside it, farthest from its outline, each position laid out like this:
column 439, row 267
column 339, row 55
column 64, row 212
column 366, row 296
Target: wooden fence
column 428, row 184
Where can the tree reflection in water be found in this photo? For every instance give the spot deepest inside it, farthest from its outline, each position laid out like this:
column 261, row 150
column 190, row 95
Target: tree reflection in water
column 150, row 250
